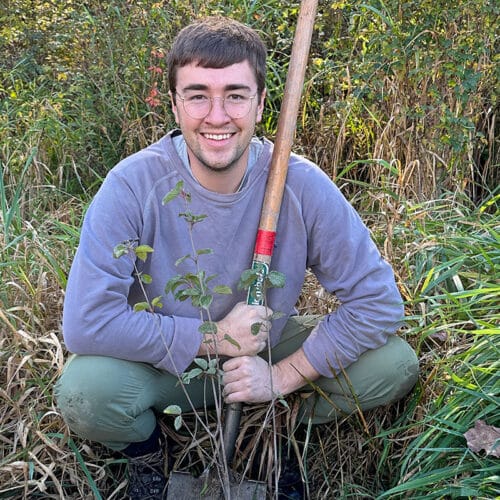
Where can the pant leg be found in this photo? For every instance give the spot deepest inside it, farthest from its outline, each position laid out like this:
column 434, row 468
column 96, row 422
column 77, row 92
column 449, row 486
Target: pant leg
column 379, row 377
column 113, row 401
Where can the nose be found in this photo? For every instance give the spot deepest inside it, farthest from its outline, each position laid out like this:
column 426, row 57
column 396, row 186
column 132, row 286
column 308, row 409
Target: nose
column 217, row 113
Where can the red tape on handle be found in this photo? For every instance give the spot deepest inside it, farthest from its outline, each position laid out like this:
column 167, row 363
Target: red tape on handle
column 264, row 243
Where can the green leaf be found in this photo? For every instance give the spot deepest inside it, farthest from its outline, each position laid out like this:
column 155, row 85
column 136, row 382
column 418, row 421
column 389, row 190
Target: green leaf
column 172, row 410
column 208, row 328
column 284, row 403
column 205, row 301
column 171, row 195
column 201, row 362
column 213, row 366
column 275, row 279
column 232, row 341
column 204, row 251
column 156, row 302
column 190, row 278
column 208, row 278
column 223, row 290
column 120, row 250
column 146, row 279
column 141, row 306
column 178, row 422
column 255, row 328
column 174, row 283
column 81, row 461
column 142, row 251
column 247, row 278
column 428, row 278
column 182, row 259
column 189, row 292
column 192, row 218
column 190, row 375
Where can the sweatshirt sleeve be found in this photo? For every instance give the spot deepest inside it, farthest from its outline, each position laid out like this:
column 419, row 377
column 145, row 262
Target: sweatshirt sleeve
column 346, row 261
column 97, row 318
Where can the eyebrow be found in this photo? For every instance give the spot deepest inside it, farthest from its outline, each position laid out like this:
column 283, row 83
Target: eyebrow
column 227, row 88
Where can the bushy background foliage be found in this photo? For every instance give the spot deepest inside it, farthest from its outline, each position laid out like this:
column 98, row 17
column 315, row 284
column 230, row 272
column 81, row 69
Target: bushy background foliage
column 400, row 108
column 410, row 83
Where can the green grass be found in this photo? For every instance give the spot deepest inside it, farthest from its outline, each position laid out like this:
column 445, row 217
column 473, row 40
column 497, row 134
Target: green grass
column 397, row 109
column 455, row 292
column 446, row 253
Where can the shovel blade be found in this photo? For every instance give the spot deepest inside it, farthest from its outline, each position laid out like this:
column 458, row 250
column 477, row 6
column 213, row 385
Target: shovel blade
column 183, row 486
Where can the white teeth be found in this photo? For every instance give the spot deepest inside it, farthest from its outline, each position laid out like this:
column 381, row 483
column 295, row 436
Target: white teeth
column 217, row 137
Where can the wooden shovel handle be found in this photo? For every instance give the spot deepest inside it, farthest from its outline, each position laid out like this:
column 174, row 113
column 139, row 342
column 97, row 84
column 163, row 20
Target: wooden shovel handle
column 266, row 234
column 287, row 119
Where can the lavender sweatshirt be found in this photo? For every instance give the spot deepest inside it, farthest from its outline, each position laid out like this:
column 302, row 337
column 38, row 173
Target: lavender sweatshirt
column 317, row 229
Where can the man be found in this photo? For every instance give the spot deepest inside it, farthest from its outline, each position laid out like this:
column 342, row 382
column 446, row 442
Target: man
column 127, row 363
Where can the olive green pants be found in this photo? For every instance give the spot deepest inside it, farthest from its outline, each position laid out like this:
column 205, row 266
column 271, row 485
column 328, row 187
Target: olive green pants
column 113, row 401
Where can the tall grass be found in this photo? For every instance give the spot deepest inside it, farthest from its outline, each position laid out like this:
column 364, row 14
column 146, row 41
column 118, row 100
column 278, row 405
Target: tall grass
column 446, row 254
column 412, row 86
column 399, row 109
column 11, row 205
column 438, row 463
column 452, row 287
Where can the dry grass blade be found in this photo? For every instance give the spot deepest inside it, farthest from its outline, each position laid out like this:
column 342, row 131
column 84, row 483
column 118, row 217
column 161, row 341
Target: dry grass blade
column 400, row 105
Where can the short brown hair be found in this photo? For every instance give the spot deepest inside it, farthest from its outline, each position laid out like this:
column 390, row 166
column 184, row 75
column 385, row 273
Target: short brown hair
column 217, row 42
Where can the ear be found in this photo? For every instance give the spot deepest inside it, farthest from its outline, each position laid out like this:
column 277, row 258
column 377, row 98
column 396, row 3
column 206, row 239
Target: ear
column 260, row 106
column 174, row 107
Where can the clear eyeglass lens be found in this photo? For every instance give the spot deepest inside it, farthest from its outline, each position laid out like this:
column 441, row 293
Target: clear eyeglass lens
column 200, row 108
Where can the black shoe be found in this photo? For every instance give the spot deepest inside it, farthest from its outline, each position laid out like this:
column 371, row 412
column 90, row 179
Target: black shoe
column 147, row 480
column 290, row 485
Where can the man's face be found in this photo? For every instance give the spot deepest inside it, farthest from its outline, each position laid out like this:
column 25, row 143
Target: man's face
column 217, row 142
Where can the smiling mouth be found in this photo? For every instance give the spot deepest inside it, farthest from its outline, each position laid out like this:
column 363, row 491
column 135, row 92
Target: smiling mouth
column 217, row 137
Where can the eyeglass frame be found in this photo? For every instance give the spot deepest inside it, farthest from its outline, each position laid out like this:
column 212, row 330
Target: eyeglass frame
column 211, row 99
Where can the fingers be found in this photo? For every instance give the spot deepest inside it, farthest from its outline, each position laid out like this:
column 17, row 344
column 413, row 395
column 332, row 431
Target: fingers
column 230, row 366
column 263, row 345
column 248, row 327
column 231, row 379
column 257, row 313
column 265, row 327
column 246, row 378
column 261, row 330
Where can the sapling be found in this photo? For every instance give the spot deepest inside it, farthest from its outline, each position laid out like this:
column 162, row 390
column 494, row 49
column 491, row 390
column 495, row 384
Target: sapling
column 195, row 286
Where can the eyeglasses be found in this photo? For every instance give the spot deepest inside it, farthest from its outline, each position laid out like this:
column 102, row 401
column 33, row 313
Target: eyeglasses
column 198, row 106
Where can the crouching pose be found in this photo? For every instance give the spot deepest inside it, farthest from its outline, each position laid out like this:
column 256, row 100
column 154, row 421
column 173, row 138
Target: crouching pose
column 126, row 364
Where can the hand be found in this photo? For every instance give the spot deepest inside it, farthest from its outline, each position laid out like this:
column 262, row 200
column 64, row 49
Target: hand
column 234, row 332
column 251, row 379
column 248, row 379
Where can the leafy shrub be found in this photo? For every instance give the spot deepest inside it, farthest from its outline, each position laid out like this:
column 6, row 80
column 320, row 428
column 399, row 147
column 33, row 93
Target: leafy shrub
column 411, row 84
